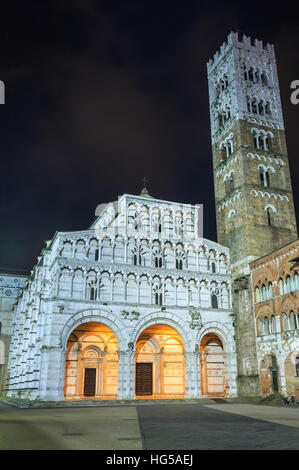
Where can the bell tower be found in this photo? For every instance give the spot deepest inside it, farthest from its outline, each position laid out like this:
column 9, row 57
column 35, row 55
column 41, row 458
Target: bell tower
column 253, row 193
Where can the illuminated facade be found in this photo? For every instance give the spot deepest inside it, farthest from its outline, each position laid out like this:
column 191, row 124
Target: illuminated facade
column 137, row 306
column 141, row 306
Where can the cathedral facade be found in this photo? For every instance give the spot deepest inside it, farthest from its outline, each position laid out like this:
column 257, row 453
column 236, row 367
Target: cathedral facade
column 137, row 306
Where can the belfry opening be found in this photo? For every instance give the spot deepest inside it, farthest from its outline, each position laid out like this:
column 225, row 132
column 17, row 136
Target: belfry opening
column 160, row 364
column 91, row 367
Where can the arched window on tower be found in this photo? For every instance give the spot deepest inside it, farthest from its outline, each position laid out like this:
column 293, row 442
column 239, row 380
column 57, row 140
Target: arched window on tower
column 249, row 108
column 225, row 81
column 223, row 116
column 254, row 106
column 230, row 147
column 223, row 153
column 258, row 141
column 262, row 145
column 230, row 184
column 261, row 108
column 220, row 120
column 270, row 211
column 251, row 74
column 264, row 79
column 268, row 108
column 264, row 176
column 269, row 217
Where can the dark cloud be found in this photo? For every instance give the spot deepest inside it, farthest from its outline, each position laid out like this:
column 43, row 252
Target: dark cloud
column 100, row 94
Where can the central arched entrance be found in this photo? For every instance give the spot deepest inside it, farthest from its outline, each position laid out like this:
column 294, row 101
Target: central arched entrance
column 91, row 368
column 213, row 367
column 160, row 364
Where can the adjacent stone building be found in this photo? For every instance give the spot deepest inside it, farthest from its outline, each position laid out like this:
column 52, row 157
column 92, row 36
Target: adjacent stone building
column 275, row 280
column 12, row 283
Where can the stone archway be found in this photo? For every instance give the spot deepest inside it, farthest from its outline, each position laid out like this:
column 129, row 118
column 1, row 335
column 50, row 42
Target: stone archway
column 91, row 365
column 159, row 363
column 213, row 366
column 269, row 375
column 291, row 371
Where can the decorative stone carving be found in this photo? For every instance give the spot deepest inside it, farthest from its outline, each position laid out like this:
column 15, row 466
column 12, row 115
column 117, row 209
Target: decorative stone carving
column 196, row 321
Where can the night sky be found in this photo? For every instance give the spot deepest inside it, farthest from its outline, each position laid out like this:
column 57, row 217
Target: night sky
column 100, row 94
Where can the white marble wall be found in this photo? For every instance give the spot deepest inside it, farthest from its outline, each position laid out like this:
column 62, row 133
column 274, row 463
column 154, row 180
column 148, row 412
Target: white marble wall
column 125, row 297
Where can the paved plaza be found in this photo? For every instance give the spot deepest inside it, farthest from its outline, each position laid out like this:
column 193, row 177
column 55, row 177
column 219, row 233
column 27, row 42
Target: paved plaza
column 141, row 426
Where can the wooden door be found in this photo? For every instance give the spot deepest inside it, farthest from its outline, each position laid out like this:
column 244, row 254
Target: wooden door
column 144, row 378
column 214, row 369
column 90, row 382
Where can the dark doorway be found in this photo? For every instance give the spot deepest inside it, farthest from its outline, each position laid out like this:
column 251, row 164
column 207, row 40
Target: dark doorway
column 144, row 378
column 274, row 375
column 90, row 382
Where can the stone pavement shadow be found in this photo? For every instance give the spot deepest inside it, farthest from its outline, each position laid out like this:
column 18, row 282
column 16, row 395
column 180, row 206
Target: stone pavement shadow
column 201, row 428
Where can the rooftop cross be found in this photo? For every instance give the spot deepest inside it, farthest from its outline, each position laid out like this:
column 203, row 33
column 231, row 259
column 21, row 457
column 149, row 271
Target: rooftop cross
column 144, row 191
column 144, row 180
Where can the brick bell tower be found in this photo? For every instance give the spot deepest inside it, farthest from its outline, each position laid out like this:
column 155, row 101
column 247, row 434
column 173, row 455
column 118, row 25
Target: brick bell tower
column 253, row 193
